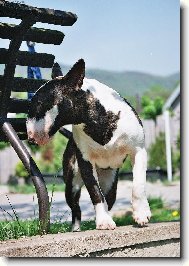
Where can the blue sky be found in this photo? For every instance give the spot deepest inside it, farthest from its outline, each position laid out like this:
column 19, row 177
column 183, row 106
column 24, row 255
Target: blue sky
column 122, row 35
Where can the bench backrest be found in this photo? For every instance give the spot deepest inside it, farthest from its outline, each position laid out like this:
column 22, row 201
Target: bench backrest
column 12, row 56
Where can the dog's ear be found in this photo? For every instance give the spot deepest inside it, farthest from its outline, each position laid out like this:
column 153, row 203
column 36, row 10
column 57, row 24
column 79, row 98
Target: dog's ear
column 56, row 71
column 74, row 78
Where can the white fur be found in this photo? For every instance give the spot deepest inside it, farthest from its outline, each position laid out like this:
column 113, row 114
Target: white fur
column 77, row 180
column 76, row 227
column 39, row 130
column 103, row 219
column 106, row 178
column 127, row 139
column 141, row 210
column 105, row 94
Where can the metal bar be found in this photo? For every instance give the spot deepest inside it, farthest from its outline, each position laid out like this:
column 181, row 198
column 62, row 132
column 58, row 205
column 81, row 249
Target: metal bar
column 66, row 133
column 37, row 178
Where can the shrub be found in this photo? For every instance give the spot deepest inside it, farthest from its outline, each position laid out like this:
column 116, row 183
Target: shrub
column 3, row 145
column 155, row 203
column 151, row 108
column 51, row 155
column 20, row 170
column 126, row 167
column 157, row 154
column 176, row 155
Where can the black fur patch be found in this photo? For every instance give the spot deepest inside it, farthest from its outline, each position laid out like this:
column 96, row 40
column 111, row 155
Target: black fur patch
column 69, row 158
column 100, row 124
column 110, row 195
column 88, row 179
column 44, row 99
column 53, row 92
column 82, row 107
column 72, row 199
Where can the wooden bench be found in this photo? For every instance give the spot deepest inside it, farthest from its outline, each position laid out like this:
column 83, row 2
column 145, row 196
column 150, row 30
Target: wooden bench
column 13, row 130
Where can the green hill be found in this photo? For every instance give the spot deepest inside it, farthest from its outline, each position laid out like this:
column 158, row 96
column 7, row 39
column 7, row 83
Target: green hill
column 130, row 83
column 127, row 83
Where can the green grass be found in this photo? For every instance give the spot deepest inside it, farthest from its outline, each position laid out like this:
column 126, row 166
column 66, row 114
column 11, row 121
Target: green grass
column 30, row 189
column 155, row 203
column 17, row 228
column 27, row 228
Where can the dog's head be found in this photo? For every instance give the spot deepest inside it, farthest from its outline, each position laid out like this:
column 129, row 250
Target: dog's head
column 49, row 107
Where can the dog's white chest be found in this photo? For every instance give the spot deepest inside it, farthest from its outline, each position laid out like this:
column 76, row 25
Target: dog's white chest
column 127, row 134
column 110, row 155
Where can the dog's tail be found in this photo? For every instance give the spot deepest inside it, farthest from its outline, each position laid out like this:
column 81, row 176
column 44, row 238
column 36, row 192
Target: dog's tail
column 66, row 133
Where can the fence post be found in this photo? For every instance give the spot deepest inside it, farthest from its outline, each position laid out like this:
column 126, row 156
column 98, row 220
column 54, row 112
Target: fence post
column 168, row 145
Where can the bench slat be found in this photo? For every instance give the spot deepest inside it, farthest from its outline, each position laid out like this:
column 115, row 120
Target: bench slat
column 22, row 136
column 19, row 124
column 29, row 59
column 25, row 84
column 9, row 31
column 18, row 105
column 45, row 15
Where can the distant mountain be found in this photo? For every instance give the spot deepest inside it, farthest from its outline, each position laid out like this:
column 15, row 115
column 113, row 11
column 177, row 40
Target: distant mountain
column 130, row 83
column 127, row 83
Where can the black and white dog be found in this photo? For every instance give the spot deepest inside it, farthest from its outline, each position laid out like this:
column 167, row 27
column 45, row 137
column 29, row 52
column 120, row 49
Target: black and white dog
column 105, row 130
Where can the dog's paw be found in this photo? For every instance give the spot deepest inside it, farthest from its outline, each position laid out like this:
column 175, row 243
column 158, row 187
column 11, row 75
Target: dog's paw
column 141, row 212
column 105, row 222
column 76, row 227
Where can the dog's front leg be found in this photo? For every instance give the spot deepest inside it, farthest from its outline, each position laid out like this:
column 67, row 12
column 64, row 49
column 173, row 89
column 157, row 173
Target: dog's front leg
column 89, row 176
column 141, row 209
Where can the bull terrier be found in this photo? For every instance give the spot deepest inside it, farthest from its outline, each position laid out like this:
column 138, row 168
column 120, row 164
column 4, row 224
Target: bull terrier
column 105, row 130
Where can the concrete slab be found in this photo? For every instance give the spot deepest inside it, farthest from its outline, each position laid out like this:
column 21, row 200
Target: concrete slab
column 155, row 240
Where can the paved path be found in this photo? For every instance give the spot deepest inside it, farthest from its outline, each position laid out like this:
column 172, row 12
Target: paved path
column 26, row 205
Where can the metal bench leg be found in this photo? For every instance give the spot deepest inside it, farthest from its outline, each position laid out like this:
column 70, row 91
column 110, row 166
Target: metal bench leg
column 37, row 178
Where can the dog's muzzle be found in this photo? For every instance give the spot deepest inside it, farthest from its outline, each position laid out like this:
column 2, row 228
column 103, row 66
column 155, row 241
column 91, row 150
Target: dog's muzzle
column 38, row 138
column 31, row 140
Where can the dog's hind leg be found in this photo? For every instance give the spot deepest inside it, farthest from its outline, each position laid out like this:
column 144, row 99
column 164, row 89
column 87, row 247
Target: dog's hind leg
column 108, row 179
column 141, row 210
column 73, row 182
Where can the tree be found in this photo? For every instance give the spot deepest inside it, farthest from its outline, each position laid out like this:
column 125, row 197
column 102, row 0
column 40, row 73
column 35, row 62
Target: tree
column 151, row 108
column 157, row 153
column 158, row 90
column 3, row 145
column 51, row 154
